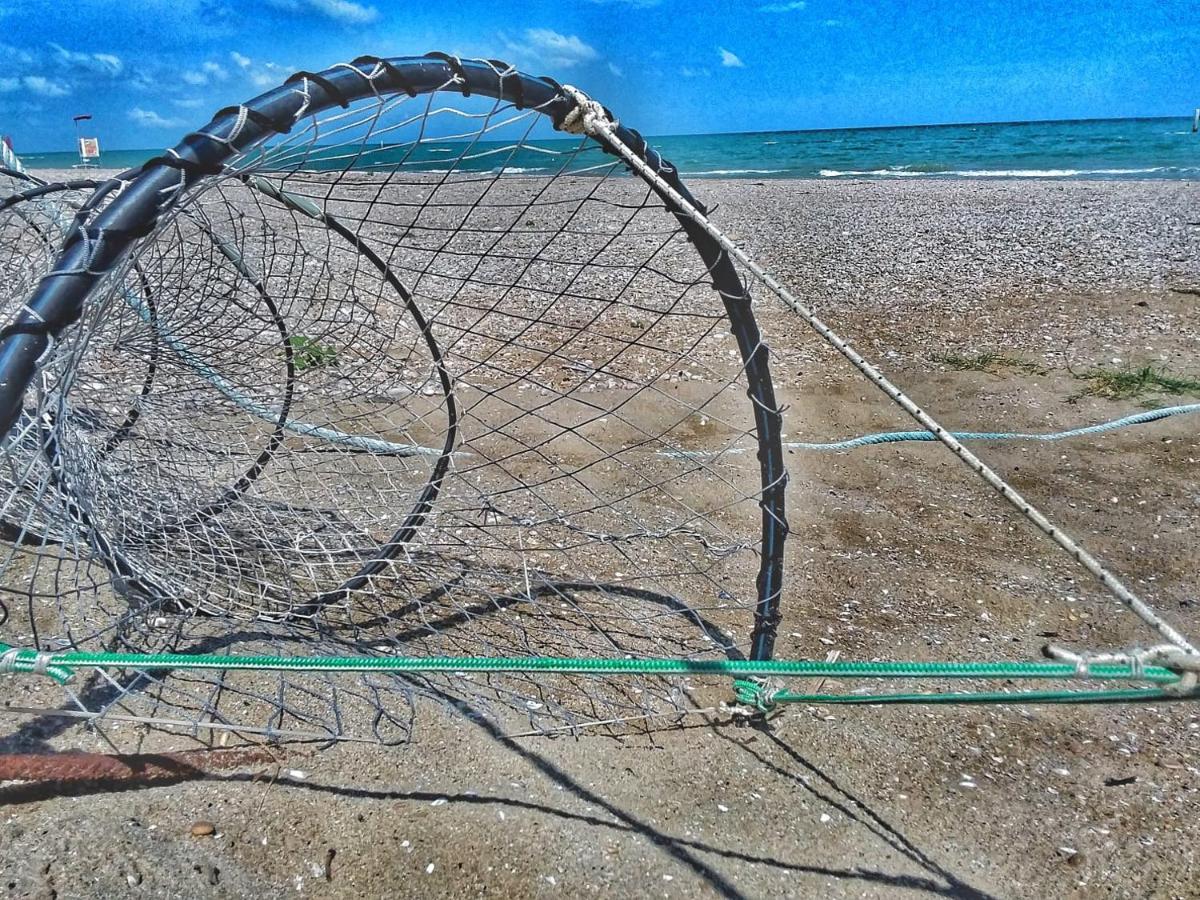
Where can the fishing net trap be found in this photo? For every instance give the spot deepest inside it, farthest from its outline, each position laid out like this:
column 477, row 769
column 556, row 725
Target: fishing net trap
column 414, row 378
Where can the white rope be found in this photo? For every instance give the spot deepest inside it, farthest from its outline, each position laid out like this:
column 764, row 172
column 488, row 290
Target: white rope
column 593, row 121
column 1168, row 656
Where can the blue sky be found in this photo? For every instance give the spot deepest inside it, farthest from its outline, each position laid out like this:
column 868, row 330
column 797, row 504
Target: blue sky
column 151, row 69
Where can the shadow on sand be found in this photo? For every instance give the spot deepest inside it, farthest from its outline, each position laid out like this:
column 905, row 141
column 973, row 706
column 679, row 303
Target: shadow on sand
column 704, row 859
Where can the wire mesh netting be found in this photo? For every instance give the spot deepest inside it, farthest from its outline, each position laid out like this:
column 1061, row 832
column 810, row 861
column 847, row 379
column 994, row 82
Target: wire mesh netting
column 419, row 376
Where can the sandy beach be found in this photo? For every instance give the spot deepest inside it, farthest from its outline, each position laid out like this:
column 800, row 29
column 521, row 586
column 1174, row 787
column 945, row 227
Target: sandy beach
column 998, row 305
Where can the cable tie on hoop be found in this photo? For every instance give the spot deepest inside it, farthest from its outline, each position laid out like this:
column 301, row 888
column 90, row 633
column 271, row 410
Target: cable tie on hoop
column 396, row 74
column 508, row 75
column 324, row 83
column 456, row 69
column 639, row 145
column 501, row 67
column 186, row 166
column 279, row 126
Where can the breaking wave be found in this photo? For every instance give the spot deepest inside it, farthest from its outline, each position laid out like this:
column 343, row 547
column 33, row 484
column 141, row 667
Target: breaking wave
column 904, row 172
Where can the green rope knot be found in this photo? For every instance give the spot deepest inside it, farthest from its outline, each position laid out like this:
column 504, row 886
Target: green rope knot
column 756, row 693
column 16, row 659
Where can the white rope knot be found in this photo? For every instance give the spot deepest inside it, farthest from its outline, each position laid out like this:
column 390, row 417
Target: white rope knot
column 1184, row 663
column 768, row 691
column 756, row 697
column 8, row 662
column 11, row 656
column 1185, row 685
column 586, row 115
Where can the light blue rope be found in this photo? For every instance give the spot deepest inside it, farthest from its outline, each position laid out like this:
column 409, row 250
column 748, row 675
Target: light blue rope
column 892, row 437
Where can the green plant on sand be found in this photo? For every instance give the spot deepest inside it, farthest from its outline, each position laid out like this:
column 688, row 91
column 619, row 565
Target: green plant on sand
column 987, row 361
column 1124, row 384
column 308, row 354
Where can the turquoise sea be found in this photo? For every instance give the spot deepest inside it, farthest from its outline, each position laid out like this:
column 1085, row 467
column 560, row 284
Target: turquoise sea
column 1103, row 148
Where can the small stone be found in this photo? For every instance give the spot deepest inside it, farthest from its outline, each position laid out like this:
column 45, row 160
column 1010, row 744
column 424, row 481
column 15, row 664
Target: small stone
column 203, row 829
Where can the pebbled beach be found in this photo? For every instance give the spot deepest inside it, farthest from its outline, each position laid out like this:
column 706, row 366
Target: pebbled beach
column 997, row 304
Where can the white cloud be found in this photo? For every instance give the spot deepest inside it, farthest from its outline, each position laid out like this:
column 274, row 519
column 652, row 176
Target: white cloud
column 262, row 74
column 109, row 61
column 65, row 70
column 209, row 71
column 552, row 49
column 689, row 72
column 793, row 6
column 632, row 4
column 269, row 74
column 730, row 60
column 616, row 70
column 104, row 64
column 144, row 81
column 15, row 55
column 832, row 23
column 190, row 103
column 39, row 84
column 345, row 11
column 151, row 119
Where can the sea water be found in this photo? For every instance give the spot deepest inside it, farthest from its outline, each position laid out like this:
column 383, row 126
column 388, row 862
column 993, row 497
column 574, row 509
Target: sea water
column 1110, row 148
column 1102, row 148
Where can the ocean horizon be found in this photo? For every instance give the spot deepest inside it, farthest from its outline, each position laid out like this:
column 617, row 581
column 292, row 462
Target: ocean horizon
column 1110, row 149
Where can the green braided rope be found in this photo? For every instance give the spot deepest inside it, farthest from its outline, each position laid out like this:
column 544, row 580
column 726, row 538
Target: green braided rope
column 756, row 695
column 60, row 666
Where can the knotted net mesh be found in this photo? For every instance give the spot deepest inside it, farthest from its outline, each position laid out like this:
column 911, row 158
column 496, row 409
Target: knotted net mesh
column 421, row 376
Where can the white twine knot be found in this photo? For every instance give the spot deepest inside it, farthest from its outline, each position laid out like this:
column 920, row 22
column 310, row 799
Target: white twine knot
column 10, row 658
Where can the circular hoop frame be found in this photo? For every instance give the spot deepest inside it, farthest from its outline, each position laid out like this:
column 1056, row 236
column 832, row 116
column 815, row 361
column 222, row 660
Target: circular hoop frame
column 146, row 194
